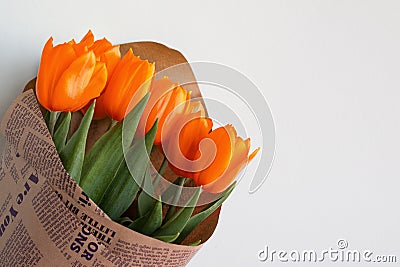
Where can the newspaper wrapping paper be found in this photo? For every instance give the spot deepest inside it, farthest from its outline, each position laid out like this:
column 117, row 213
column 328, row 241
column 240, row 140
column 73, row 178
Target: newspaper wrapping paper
column 45, row 217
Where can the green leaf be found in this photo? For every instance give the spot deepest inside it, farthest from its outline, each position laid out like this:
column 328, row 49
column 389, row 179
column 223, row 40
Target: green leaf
column 53, row 117
column 177, row 195
column 137, row 224
column 124, row 220
column 195, row 243
column 201, row 216
column 60, row 136
column 104, row 158
column 60, row 118
column 180, row 218
column 120, row 193
column 124, row 186
column 101, row 162
column 154, row 219
column 72, row 155
column 146, row 199
column 46, row 117
column 167, row 238
column 168, row 193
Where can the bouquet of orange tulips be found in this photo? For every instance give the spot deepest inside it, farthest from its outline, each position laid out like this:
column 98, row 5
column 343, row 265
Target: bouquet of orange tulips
column 145, row 115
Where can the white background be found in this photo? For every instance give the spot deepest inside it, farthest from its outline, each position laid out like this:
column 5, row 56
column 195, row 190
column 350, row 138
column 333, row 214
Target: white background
column 330, row 71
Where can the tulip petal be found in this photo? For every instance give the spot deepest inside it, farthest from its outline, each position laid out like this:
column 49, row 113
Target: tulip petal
column 173, row 96
column 183, row 146
column 100, row 112
column 84, row 45
column 138, row 86
column 111, row 57
column 156, row 104
column 97, row 82
column 191, row 136
column 253, row 154
column 239, row 159
column 223, row 145
column 123, row 90
column 54, row 61
column 176, row 97
column 101, row 46
column 67, row 95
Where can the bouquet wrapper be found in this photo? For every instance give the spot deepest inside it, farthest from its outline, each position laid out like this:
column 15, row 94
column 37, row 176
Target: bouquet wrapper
column 45, row 217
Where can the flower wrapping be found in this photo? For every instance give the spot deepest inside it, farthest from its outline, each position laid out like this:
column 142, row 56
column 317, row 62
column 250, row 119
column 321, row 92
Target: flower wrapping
column 45, row 217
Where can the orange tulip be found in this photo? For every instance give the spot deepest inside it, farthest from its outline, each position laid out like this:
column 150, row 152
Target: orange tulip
column 103, row 49
column 67, row 81
column 84, row 45
column 105, row 52
column 166, row 97
column 128, row 84
column 211, row 158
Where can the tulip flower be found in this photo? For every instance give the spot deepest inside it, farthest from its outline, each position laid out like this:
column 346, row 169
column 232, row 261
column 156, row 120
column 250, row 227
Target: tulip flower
column 107, row 53
column 128, row 84
column 103, row 50
column 240, row 157
column 84, row 45
column 166, row 97
column 212, row 158
column 67, row 81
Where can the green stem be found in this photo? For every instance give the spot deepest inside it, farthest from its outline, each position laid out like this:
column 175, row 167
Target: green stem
column 164, row 165
column 177, row 195
column 52, row 121
column 161, row 171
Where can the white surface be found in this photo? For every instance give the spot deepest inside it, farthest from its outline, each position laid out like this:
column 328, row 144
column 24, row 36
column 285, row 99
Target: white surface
column 330, row 71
